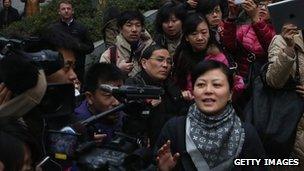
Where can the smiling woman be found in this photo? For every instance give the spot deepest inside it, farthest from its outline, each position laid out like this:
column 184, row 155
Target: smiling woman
column 197, row 44
column 211, row 136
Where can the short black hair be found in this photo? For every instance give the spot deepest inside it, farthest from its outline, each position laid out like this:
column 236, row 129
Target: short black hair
column 206, row 6
column 14, row 136
column 208, row 65
column 17, row 73
column 101, row 73
column 165, row 11
column 147, row 53
column 12, row 151
column 128, row 16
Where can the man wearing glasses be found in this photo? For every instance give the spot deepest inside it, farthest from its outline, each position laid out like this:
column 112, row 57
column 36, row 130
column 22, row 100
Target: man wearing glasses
column 156, row 66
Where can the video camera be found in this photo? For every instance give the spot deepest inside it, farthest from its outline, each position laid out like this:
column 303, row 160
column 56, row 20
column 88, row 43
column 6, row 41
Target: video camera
column 32, row 50
column 123, row 149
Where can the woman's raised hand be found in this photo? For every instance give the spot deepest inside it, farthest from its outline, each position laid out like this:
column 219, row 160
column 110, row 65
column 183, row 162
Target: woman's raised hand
column 165, row 159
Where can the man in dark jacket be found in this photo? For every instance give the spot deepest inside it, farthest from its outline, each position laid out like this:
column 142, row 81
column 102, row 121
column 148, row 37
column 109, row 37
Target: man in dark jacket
column 8, row 14
column 70, row 37
column 156, row 66
column 98, row 101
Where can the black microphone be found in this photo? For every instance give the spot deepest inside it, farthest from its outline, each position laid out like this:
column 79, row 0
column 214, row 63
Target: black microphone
column 134, row 46
column 134, row 92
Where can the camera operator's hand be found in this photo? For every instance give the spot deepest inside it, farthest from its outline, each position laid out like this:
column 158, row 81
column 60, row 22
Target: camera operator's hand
column 153, row 102
column 98, row 138
column 125, row 66
column 300, row 90
column 251, row 9
column 166, row 161
column 5, row 94
column 288, row 31
column 233, row 9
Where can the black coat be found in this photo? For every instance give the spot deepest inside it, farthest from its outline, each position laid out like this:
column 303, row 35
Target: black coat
column 75, row 37
column 7, row 16
column 172, row 104
column 174, row 130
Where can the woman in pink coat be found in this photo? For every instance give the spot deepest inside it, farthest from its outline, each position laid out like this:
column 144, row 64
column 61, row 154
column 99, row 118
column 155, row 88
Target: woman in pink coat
column 197, row 45
column 250, row 39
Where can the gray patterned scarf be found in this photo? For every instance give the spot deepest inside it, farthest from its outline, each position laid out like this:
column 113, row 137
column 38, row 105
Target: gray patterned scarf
column 218, row 138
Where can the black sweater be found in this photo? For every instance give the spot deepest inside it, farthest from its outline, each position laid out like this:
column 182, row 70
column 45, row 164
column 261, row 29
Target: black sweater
column 174, row 130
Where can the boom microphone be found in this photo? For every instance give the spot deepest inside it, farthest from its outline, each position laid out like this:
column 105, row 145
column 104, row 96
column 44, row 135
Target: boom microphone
column 133, row 92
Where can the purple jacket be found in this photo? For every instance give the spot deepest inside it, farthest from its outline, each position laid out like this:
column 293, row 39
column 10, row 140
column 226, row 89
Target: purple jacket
column 82, row 112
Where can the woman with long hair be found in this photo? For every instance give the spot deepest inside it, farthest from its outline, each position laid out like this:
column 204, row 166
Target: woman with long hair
column 197, row 44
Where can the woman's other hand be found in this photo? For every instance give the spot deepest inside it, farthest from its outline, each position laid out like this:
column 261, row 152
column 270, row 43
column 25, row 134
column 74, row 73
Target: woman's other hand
column 187, row 95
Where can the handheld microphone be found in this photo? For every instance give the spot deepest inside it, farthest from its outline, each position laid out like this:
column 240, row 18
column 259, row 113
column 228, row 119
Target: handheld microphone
column 134, row 92
column 134, row 46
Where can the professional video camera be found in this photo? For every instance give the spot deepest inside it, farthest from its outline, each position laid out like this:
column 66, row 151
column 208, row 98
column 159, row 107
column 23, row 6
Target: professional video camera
column 74, row 142
column 122, row 152
column 31, row 49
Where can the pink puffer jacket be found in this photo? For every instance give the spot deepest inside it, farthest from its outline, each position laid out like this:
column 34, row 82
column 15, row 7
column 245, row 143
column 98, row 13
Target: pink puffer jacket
column 255, row 38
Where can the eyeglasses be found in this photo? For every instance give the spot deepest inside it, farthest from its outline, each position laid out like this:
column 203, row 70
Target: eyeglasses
column 162, row 59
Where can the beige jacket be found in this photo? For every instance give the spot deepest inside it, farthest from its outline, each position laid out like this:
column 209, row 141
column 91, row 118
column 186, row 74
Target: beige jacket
column 124, row 50
column 283, row 66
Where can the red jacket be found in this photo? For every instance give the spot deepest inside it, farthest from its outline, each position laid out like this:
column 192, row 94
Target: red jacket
column 254, row 37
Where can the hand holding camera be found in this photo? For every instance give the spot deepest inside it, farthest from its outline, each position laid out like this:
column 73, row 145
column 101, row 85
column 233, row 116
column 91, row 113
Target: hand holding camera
column 251, row 9
column 234, row 9
column 192, row 3
column 288, row 32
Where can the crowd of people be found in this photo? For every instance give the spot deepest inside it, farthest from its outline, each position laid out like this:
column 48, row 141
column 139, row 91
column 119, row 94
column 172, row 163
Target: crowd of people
column 207, row 56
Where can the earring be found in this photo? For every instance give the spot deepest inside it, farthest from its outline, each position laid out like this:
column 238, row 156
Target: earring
column 229, row 101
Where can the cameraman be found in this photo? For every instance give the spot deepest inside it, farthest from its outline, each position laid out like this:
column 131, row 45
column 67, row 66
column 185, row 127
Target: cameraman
column 22, row 86
column 98, row 101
